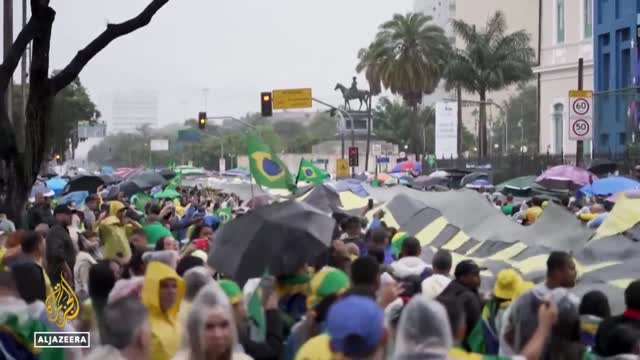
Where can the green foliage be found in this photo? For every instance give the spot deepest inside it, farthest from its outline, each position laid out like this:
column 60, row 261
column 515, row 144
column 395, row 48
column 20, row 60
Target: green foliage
column 407, row 57
column 287, row 136
column 491, row 60
column 521, row 114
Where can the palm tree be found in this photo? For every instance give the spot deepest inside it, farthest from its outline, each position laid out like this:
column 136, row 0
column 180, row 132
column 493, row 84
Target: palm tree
column 407, row 57
column 490, row 61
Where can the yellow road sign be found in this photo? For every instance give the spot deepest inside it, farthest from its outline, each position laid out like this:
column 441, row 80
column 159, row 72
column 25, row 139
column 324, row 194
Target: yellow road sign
column 292, row 99
column 342, row 168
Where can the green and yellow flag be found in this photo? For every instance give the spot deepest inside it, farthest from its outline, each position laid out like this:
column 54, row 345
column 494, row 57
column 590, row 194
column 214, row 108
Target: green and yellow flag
column 311, row 173
column 224, row 215
column 266, row 168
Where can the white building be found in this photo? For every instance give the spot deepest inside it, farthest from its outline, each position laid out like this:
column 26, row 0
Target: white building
column 132, row 109
column 442, row 11
column 567, row 28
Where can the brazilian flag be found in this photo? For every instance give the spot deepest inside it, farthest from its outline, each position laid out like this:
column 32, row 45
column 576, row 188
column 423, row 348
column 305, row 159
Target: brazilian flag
column 266, row 168
column 224, row 215
column 311, row 173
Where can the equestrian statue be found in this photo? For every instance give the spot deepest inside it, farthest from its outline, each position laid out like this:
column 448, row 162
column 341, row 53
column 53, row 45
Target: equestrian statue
column 353, row 93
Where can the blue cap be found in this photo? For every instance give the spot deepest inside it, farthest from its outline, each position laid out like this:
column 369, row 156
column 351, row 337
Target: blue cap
column 210, row 220
column 355, row 325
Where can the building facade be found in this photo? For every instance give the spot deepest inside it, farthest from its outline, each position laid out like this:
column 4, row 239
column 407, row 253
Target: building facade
column 565, row 38
column 130, row 110
column 615, row 38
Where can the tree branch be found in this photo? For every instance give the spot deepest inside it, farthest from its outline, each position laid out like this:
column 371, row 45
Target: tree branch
column 113, row 31
column 18, row 48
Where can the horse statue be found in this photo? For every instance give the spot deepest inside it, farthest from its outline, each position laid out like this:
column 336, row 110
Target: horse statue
column 350, row 94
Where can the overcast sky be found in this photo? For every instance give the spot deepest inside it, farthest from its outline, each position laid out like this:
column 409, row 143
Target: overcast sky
column 236, row 48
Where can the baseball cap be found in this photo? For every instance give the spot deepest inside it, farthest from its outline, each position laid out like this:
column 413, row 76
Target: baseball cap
column 63, row 209
column 466, row 267
column 355, row 325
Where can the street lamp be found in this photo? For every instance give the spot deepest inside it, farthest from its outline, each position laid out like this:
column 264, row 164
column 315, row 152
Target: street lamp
column 523, row 149
column 341, row 113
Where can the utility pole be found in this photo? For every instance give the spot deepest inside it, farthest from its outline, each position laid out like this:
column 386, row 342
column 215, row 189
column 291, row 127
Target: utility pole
column 8, row 41
column 460, row 126
column 580, row 143
column 21, row 120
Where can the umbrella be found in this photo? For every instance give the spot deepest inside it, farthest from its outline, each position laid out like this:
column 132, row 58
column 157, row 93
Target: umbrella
column 391, row 181
column 239, row 172
column 382, row 177
column 168, row 174
column 259, row 201
column 428, row 182
column 77, row 197
column 479, row 183
column 353, row 185
column 631, row 194
column 520, row 186
column 89, row 183
column 150, row 177
column 565, row 177
column 110, row 179
column 439, row 174
column 56, row 184
column 126, row 172
column 407, row 166
column 468, row 179
column 106, row 170
column 188, row 170
column 603, row 167
column 323, row 198
column 40, row 188
column 129, row 188
column 166, row 194
column 279, row 238
column 609, row 186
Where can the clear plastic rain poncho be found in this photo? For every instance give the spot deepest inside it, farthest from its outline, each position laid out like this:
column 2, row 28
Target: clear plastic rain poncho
column 423, row 331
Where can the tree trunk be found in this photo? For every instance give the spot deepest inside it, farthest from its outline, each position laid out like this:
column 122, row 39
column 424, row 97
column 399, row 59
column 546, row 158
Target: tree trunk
column 482, row 126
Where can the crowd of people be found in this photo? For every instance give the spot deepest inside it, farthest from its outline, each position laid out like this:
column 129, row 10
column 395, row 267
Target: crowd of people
column 148, row 291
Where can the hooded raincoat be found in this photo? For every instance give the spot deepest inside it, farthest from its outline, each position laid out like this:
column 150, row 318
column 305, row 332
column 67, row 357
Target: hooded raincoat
column 165, row 328
column 115, row 235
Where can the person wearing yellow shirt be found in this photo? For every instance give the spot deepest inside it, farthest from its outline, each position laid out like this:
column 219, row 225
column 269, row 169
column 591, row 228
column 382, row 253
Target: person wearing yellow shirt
column 32, row 248
column 532, row 213
column 115, row 231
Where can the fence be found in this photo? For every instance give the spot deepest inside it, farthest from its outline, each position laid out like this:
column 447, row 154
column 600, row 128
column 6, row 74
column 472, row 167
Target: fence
column 505, row 167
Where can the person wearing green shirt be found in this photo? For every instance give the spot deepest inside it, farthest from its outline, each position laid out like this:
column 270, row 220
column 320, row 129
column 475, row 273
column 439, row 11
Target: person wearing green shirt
column 507, row 207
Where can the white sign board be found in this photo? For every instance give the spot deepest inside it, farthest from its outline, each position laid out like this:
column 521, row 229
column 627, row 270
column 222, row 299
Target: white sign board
column 580, row 115
column 446, row 130
column 222, row 165
column 376, row 149
column 159, row 145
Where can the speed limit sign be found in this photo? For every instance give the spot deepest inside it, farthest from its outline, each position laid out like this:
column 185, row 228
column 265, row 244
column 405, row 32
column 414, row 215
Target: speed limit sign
column 580, row 115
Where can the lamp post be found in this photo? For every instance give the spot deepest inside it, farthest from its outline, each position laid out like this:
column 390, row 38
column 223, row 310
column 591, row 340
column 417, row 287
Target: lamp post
column 341, row 113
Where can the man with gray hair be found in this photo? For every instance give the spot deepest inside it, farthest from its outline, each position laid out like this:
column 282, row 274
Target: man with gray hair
column 124, row 340
column 436, row 283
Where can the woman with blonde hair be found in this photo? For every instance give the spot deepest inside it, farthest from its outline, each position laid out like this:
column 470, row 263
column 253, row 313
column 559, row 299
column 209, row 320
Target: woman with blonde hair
column 211, row 329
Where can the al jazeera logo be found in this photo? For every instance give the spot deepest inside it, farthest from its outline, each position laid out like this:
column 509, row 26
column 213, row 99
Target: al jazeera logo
column 62, row 306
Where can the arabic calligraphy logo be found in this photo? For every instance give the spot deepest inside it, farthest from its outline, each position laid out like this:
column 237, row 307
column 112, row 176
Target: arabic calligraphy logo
column 62, row 304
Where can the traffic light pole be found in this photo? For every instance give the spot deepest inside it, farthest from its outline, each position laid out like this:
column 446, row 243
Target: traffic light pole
column 353, row 134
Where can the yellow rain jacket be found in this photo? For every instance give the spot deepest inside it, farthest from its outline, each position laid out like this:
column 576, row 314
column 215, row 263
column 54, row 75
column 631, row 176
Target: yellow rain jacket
column 166, row 329
column 114, row 234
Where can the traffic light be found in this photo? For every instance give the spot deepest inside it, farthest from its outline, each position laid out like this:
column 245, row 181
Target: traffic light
column 202, row 120
column 267, row 104
column 58, row 158
column 353, row 156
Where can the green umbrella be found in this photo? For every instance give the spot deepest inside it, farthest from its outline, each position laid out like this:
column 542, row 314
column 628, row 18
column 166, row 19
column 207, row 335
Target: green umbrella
column 167, row 194
column 520, row 186
column 140, row 200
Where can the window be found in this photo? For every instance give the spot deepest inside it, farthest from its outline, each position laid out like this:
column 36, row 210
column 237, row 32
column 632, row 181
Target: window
column 604, row 72
column 587, row 13
column 558, row 128
column 559, row 21
column 622, row 138
column 625, row 65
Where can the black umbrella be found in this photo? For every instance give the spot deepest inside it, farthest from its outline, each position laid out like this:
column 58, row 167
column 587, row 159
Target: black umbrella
column 168, row 174
column 150, row 177
column 89, row 183
column 110, row 179
column 129, row 188
column 323, row 198
column 278, row 238
column 603, row 167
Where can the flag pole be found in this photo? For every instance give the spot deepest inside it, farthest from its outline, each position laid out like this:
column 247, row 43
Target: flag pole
column 299, row 167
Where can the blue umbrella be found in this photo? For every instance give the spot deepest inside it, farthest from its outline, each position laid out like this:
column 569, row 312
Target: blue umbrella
column 77, row 197
column 40, row 188
column 479, row 183
column 608, row 186
column 57, row 184
column 239, row 172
